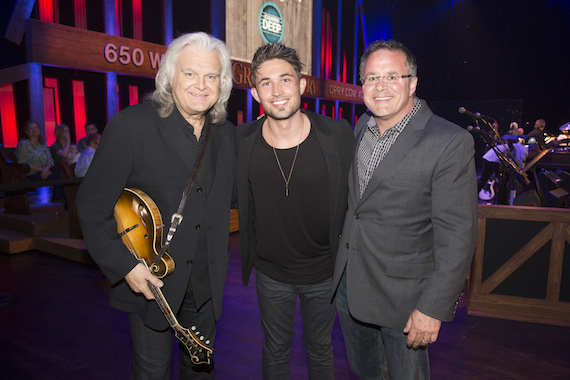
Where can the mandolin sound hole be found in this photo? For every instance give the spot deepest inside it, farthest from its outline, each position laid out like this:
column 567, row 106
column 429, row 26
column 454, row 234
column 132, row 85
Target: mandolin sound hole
column 142, row 215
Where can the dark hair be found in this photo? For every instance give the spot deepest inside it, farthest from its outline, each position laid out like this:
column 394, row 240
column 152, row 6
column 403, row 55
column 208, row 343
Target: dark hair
column 392, row 45
column 275, row 51
column 27, row 125
column 540, row 123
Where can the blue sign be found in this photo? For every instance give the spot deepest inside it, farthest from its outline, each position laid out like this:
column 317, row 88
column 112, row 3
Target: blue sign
column 271, row 23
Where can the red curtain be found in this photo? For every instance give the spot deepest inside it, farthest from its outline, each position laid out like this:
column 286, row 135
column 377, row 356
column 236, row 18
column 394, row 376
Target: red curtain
column 79, row 108
column 8, row 116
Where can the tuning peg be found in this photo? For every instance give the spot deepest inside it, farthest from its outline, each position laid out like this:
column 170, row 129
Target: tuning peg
column 193, row 328
column 207, row 342
column 202, row 337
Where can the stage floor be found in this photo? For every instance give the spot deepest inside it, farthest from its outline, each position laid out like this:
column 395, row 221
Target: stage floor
column 60, row 326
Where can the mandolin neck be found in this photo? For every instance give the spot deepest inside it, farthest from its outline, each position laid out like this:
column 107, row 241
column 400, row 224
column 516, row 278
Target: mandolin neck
column 164, row 306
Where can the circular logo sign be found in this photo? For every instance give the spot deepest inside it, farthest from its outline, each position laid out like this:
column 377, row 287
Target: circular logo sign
column 271, row 23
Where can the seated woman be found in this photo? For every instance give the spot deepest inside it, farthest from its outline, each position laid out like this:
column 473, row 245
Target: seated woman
column 62, row 145
column 34, row 151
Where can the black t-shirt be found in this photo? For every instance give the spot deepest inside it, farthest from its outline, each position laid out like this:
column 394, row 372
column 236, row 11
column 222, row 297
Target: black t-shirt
column 291, row 232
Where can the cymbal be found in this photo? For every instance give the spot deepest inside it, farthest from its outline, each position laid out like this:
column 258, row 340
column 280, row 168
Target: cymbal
column 565, row 127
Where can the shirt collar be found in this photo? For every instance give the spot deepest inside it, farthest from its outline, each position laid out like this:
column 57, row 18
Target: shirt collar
column 184, row 124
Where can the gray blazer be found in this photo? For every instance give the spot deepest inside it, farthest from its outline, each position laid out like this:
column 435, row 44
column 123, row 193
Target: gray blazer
column 408, row 242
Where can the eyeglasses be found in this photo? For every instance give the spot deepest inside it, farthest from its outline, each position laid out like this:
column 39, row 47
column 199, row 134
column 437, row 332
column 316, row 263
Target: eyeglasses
column 374, row 79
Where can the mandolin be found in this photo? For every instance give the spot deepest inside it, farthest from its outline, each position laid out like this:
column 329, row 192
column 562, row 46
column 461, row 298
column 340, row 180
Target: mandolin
column 139, row 224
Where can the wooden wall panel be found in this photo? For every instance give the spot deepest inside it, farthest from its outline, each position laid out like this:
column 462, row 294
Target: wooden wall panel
column 243, row 36
column 485, row 299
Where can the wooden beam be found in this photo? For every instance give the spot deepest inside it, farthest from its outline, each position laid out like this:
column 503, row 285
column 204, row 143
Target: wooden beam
column 551, row 309
column 477, row 265
column 16, row 27
column 536, row 214
column 14, row 74
column 556, row 261
column 520, row 309
column 517, row 260
column 65, row 46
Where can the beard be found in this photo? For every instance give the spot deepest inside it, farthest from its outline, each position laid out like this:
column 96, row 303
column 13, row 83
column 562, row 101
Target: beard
column 282, row 113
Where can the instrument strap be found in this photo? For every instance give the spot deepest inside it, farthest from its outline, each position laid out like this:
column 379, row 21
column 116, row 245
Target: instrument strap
column 177, row 216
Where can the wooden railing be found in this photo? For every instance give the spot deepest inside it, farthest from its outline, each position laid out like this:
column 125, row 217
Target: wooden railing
column 519, row 271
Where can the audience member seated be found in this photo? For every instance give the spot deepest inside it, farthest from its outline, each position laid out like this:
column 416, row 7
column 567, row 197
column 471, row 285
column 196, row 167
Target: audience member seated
column 60, row 152
column 34, row 151
column 90, row 128
column 87, row 155
column 62, row 145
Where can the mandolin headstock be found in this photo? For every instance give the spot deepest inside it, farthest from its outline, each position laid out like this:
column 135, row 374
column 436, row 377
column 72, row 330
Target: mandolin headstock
column 200, row 352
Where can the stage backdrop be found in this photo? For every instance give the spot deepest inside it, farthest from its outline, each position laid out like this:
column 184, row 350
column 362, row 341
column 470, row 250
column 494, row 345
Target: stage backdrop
column 252, row 23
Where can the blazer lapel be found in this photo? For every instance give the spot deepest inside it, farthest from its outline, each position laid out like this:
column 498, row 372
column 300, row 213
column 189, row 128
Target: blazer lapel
column 403, row 144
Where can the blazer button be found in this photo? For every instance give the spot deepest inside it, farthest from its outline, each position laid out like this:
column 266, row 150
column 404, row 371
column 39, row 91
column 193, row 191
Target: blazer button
column 199, row 190
column 189, row 262
column 347, row 245
column 356, row 217
column 197, row 226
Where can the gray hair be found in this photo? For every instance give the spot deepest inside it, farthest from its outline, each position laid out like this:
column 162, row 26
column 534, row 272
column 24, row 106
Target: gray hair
column 392, row 45
column 162, row 96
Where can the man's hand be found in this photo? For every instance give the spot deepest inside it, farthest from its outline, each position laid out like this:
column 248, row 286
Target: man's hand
column 421, row 329
column 137, row 278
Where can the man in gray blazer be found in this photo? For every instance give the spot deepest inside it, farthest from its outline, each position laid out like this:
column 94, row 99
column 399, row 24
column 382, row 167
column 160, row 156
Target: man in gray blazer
column 409, row 232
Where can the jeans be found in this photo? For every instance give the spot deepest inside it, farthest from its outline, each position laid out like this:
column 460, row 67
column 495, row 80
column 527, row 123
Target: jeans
column 376, row 352
column 152, row 350
column 277, row 303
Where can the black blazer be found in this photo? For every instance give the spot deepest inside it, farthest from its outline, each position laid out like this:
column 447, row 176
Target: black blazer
column 336, row 139
column 142, row 150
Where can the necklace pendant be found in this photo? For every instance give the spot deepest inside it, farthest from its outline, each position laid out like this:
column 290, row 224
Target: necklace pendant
column 286, row 191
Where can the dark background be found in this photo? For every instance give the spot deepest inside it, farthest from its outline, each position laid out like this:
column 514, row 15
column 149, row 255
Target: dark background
column 504, row 58
column 500, row 53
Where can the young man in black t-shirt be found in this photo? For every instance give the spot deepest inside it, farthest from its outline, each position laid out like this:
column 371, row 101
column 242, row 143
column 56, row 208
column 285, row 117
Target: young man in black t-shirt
column 292, row 188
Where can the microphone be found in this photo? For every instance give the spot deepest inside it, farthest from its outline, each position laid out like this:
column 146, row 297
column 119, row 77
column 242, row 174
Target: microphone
column 475, row 115
column 471, row 128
